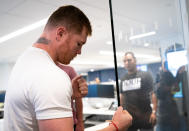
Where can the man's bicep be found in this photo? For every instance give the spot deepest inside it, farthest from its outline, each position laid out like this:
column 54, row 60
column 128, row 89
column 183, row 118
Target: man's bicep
column 60, row 124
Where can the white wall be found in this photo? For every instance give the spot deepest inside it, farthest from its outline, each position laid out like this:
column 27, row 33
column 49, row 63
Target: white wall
column 5, row 70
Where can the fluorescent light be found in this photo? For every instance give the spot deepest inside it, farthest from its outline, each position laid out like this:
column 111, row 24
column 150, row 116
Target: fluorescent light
column 142, row 35
column 92, row 70
column 106, row 52
column 121, row 54
column 88, row 62
column 111, row 53
column 144, row 56
column 23, row 30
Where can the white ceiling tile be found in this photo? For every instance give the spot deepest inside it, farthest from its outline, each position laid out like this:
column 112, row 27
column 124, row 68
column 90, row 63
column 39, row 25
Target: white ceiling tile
column 11, row 23
column 33, row 10
column 7, row 5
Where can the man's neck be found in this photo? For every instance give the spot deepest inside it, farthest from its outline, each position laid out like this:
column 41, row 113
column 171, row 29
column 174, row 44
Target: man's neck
column 47, row 48
column 45, row 42
column 132, row 72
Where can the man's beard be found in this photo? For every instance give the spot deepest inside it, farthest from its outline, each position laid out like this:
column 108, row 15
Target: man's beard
column 65, row 61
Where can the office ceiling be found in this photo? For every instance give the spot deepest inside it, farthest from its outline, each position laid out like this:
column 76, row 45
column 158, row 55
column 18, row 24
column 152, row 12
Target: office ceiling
column 131, row 17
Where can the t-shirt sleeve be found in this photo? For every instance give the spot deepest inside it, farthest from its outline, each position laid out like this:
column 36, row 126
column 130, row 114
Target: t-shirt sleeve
column 72, row 73
column 51, row 96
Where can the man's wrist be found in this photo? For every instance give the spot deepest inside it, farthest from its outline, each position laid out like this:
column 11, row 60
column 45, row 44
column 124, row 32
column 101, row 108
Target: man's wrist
column 154, row 111
column 114, row 125
column 79, row 121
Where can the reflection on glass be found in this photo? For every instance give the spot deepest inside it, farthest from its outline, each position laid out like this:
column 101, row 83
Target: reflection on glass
column 167, row 108
column 152, row 30
column 136, row 94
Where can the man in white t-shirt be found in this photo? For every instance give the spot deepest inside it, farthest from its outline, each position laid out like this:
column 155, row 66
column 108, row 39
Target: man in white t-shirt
column 39, row 94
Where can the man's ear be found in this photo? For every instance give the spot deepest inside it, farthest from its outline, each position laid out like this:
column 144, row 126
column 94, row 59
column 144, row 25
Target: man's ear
column 61, row 31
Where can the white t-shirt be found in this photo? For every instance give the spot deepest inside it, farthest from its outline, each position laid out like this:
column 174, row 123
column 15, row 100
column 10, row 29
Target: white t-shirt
column 37, row 90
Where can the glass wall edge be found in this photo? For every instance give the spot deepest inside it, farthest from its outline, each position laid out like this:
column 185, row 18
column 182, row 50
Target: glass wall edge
column 114, row 51
column 184, row 8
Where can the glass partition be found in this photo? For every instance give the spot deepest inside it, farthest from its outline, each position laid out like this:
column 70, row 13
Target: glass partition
column 152, row 63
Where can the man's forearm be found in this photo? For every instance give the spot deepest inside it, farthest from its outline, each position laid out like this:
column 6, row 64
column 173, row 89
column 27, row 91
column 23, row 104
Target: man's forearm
column 154, row 102
column 79, row 109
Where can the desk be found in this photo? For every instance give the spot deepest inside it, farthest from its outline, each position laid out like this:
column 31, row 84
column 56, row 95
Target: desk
column 97, row 106
column 101, row 111
column 96, row 111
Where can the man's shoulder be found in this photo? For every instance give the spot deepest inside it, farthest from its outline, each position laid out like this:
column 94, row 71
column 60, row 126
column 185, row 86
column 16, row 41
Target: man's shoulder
column 125, row 76
column 51, row 72
column 143, row 73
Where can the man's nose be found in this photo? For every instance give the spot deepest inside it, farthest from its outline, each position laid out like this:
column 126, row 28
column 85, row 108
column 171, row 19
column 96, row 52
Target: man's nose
column 79, row 51
column 126, row 62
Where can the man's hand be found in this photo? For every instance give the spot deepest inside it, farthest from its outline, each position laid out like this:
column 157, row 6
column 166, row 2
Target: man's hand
column 80, row 88
column 153, row 119
column 122, row 119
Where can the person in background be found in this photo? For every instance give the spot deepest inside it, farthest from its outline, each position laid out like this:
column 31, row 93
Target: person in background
column 39, row 93
column 168, row 118
column 181, row 80
column 77, row 105
column 137, row 95
column 97, row 80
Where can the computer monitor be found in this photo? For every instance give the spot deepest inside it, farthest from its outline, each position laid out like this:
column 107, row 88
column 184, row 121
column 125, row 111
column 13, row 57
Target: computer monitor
column 142, row 67
column 176, row 59
column 101, row 90
column 2, row 96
